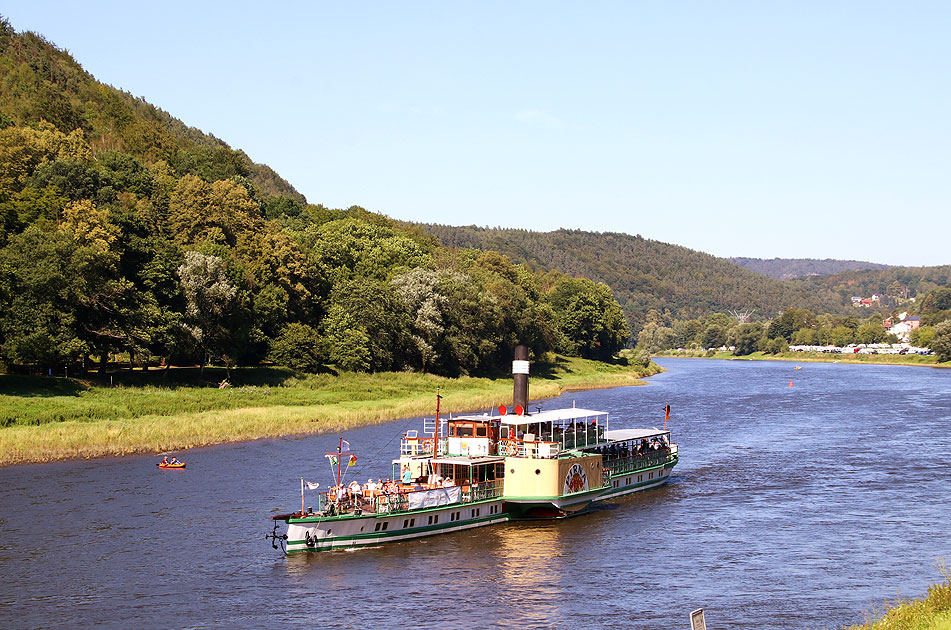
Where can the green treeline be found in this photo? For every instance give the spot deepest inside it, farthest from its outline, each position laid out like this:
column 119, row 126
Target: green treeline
column 644, row 274
column 124, row 231
column 797, row 327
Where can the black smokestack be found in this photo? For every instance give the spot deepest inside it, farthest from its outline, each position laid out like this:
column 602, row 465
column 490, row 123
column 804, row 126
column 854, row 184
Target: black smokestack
column 520, row 376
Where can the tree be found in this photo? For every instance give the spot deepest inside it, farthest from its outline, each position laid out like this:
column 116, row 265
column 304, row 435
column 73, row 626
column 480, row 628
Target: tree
column 589, row 318
column 714, row 336
column 870, row 333
column 209, row 299
column 218, row 213
column 365, row 327
column 654, row 338
column 418, row 291
column 922, row 337
column 804, row 337
column 745, row 338
column 941, row 344
column 299, row 347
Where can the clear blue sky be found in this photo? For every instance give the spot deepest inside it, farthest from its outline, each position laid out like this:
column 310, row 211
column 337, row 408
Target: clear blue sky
column 806, row 129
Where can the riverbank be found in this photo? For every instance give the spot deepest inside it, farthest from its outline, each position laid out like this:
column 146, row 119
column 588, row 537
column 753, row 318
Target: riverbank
column 930, row 613
column 46, row 419
column 813, row 357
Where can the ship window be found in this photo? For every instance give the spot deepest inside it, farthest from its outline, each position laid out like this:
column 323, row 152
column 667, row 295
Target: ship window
column 482, row 430
column 651, row 476
column 640, row 477
column 405, row 523
column 412, row 522
column 378, row 525
column 385, row 525
column 463, row 430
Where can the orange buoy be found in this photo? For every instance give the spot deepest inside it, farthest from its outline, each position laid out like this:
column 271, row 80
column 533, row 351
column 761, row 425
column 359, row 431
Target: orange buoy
column 790, row 383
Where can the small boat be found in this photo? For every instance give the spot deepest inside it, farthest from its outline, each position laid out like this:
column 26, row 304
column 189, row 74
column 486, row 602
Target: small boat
column 176, row 465
column 469, row 471
column 798, row 367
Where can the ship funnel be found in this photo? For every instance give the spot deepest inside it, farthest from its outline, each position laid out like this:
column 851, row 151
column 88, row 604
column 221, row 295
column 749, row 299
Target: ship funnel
column 520, row 376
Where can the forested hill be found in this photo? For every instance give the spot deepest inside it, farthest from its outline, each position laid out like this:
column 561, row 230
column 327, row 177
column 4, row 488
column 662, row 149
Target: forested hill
column 643, row 273
column 38, row 81
column 788, row 268
column 896, row 283
column 124, row 233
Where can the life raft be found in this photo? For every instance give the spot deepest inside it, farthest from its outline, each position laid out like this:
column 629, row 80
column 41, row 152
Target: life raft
column 178, row 465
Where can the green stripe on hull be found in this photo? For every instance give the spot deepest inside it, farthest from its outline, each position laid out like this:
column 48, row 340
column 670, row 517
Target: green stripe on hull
column 401, row 534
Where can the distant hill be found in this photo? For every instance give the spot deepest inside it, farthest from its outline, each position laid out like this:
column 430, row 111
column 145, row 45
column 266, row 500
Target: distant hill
column 894, row 282
column 644, row 274
column 787, row 268
column 39, row 81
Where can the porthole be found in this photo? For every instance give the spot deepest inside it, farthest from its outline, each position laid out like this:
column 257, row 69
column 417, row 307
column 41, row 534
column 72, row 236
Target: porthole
column 538, row 471
column 511, row 471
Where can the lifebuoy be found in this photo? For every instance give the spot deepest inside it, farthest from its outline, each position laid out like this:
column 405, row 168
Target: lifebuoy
column 511, row 448
column 427, row 447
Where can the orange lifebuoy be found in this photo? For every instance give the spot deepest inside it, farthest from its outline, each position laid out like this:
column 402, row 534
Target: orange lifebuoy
column 427, row 447
column 511, row 448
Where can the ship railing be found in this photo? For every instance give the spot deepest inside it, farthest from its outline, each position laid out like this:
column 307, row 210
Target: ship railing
column 537, row 449
column 414, row 445
column 481, row 491
column 632, row 463
column 399, row 502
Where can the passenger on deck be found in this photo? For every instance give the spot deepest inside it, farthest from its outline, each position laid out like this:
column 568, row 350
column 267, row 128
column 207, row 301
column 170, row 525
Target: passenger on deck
column 407, row 475
column 448, row 483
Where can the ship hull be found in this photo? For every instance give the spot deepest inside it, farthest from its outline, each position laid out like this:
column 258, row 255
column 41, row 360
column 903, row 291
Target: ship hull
column 317, row 533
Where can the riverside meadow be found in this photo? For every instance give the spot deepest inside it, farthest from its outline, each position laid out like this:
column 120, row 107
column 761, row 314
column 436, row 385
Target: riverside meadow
column 46, row 418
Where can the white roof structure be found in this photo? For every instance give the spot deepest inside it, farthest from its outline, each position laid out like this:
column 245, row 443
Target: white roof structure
column 461, row 460
column 554, row 415
column 619, row 435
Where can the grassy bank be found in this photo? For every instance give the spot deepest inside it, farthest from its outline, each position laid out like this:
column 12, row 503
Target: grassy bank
column 930, row 613
column 816, row 357
column 46, row 419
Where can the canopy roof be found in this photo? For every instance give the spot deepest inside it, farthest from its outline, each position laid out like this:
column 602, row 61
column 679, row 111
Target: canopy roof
column 571, row 413
column 620, row 435
column 459, row 460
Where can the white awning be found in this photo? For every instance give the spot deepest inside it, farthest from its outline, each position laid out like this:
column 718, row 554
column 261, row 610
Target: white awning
column 555, row 415
column 460, row 460
column 621, row 435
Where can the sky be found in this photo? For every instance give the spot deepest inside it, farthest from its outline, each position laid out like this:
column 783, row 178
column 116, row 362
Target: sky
column 790, row 130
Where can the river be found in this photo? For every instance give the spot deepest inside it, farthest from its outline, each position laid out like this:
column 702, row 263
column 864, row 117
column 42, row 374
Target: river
column 803, row 498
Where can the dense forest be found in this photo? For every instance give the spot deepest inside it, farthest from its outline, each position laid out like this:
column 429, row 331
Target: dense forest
column 645, row 275
column 787, row 268
column 122, row 230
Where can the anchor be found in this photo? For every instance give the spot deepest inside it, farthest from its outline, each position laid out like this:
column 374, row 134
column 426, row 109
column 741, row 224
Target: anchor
column 277, row 538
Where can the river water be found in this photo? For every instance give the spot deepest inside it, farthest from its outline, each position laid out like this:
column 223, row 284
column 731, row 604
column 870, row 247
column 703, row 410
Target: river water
column 798, row 506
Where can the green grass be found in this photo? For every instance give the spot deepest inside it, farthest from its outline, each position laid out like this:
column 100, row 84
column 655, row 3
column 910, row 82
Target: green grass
column 46, row 418
column 930, row 613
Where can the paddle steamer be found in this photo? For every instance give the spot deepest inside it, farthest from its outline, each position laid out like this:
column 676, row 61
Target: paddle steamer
column 468, row 471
